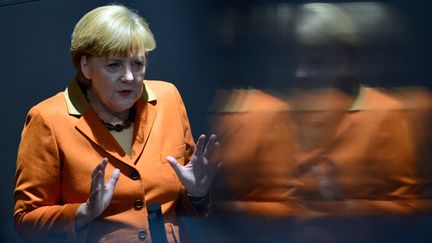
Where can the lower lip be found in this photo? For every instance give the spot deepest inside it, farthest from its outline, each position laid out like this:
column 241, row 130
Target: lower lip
column 125, row 93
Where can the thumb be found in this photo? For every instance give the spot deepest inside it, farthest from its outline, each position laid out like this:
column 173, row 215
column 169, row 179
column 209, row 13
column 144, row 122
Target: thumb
column 174, row 164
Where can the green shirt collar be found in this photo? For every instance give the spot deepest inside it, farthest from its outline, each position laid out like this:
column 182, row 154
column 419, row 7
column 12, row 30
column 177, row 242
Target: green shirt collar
column 77, row 103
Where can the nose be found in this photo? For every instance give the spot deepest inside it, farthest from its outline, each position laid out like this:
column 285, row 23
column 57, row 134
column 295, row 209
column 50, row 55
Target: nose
column 127, row 75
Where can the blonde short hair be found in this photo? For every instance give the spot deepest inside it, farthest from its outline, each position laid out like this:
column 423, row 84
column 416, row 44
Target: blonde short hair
column 110, row 30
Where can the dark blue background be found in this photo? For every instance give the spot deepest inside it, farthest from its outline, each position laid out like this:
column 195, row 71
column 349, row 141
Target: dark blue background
column 35, row 62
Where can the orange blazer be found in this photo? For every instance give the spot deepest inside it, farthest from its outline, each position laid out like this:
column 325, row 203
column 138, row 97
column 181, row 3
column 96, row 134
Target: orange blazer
column 62, row 142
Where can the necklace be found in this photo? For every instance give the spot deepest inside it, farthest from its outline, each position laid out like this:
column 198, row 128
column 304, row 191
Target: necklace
column 124, row 125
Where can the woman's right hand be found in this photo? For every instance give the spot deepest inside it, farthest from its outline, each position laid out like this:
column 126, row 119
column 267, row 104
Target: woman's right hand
column 100, row 195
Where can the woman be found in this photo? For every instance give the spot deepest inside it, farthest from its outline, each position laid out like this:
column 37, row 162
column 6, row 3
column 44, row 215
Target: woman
column 111, row 126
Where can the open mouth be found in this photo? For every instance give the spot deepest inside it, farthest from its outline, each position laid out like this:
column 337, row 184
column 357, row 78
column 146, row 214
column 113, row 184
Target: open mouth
column 125, row 92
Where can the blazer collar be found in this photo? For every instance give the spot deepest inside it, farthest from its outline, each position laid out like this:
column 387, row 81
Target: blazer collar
column 359, row 102
column 77, row 104
column 91, row 127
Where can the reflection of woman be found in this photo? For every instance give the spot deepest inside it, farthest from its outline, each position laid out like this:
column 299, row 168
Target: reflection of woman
column 109, row 125
column 355, row 150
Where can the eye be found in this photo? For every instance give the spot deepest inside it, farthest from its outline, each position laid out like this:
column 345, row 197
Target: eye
column 113, row 66
column 137, row 65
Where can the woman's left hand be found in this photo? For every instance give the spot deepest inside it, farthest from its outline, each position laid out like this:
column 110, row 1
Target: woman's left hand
column 198, row 174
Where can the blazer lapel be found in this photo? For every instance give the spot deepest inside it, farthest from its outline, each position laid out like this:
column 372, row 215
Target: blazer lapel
column 145, row 116
column 358, row 105
column 90, row 126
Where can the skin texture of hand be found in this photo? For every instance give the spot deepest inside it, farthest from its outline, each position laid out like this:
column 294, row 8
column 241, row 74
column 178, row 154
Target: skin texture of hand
column 100, row 195
column 198, row 174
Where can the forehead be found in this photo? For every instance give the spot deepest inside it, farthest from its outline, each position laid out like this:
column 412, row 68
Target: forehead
column 124, row 57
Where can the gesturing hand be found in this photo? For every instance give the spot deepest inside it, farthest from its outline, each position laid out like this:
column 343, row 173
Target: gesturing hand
column 199, row 173
column 100, row 195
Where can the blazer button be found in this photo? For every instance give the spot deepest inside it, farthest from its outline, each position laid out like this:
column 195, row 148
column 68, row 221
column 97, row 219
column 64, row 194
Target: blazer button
column 139, row 204
column 142, row 235
column 134, row 175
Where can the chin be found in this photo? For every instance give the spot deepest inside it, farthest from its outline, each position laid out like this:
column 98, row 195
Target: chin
column 122, row 108
column 124, row 105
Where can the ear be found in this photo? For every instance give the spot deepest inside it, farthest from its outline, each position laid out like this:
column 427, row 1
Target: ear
column 85, row 67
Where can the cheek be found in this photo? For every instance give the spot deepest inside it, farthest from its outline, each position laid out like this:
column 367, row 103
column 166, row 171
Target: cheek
column 103, row 87
column 104, row 95
column 139, row 88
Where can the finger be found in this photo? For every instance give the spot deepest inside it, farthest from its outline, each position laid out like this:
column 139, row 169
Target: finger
column 113, row 180
column 100, row 166
column 200, row 145
column 96, row 170
column 208, row 151
column 174, row 164
column 97, row 176
column 213, row 160
column 101, row 180
column 213, row 154
column 95, row 186
column 109, row 188
column 103, row 167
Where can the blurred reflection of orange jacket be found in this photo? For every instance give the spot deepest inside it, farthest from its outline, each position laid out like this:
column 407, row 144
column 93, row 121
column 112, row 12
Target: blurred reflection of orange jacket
column 364, row 161
column 321, row 155
column 418, row 103
column 258, row 150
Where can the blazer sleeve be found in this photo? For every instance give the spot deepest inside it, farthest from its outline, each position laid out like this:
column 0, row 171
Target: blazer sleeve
column 188, row 138
column 39, row 214
column 395, row 149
